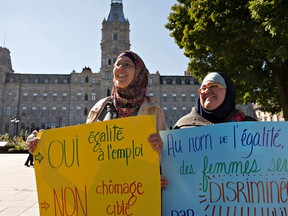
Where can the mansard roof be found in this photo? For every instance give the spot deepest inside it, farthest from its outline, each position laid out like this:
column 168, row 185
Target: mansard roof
column 116, row 12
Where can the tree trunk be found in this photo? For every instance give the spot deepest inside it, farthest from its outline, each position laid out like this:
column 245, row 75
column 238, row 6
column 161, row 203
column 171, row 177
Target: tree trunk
column 281, row 76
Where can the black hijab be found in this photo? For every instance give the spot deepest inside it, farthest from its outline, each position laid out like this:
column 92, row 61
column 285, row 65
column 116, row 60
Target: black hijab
column 225, row 109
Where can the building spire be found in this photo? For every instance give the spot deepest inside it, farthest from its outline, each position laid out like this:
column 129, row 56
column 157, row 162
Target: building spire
column 116, row 12
column 116, row 1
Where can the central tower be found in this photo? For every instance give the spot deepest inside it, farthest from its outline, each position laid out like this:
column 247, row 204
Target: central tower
column 115, row 38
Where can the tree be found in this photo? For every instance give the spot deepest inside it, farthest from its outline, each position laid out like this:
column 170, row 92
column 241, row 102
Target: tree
column 248, row 40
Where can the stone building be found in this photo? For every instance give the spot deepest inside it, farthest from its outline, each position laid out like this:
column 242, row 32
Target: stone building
column 41, row 101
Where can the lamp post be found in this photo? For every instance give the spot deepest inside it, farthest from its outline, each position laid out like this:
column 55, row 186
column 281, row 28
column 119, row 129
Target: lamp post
column 15, row 121
column 59, row 121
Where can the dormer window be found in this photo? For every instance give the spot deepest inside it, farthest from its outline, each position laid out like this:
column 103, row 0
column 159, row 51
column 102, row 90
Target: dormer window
column 116, row 16
column 115, row 36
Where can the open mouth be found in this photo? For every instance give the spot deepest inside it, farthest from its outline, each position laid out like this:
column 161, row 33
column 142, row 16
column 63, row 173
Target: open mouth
column 121, row 75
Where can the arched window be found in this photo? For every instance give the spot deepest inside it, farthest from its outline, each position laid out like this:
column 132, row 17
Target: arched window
column 85, row 111
column 108, row 92
column 87, row 79
column 169, row 81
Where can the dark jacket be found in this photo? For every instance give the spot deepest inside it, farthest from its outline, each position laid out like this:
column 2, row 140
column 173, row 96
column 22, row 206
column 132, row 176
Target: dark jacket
column 194, row 119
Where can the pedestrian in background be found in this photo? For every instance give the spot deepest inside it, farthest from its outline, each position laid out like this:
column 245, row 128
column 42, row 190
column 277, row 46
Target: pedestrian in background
column 30, row 162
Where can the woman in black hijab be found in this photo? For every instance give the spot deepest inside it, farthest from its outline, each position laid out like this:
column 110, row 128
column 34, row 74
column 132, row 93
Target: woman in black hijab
column 216, row 103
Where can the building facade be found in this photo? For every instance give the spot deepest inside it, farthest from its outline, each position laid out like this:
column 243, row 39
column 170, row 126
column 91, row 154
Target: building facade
column 42, row 101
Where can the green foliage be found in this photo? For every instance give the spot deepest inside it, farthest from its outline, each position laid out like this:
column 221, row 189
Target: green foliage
column 4, row 137
column 14, row 144
column 247, row 40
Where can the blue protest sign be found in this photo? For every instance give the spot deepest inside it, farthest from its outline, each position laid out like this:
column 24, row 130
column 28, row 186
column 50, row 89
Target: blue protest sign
column 226, row 169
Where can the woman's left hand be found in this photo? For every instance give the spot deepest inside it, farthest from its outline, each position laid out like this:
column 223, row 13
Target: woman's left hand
column 156, row 142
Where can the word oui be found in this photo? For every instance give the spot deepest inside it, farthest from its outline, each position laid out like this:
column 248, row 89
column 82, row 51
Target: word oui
column 69, row 153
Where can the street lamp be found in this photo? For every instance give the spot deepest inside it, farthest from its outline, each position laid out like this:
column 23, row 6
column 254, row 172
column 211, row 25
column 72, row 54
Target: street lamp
column 59, row 121
column 15, row 121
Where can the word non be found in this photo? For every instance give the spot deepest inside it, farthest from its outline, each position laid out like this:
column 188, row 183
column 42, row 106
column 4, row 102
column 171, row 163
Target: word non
column 68, row 202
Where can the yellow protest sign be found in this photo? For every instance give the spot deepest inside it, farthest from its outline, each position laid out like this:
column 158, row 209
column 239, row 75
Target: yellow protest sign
column 99, row 169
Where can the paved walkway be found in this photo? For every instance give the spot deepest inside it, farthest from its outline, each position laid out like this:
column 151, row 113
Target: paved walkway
column 18, row 193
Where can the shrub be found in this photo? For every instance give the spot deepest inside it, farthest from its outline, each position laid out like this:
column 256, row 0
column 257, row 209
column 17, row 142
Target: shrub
column 14, row 144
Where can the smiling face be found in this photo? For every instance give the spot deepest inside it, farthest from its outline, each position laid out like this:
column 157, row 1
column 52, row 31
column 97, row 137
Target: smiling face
column 123, row 72
column 212, row 95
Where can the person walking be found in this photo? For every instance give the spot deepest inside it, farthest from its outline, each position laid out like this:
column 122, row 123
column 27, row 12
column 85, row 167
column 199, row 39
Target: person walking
column 30, row 162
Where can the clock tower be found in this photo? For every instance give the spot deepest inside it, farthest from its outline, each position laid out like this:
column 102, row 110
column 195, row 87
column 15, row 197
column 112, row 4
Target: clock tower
column 115, row 38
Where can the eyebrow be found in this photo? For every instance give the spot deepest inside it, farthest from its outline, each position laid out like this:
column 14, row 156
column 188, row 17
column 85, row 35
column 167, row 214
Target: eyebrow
column 126, row 60
column 209, row 84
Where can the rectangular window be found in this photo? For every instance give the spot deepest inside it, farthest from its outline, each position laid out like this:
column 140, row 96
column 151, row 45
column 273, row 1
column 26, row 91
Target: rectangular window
column 8, row 111
column 54, row 98
column 9, row 96
column 175, row 116
column 64, row 97
column 25, row 96
column 44, row 96
column 184, row 97
column 165, row 109
column 44, row 111
column 79, row 96
column 164, row 97
column 54, row 111
column 34, row 97
column 78, row 110
column 184, row 111
column 193, row 98
column 150, row 81
column 93, row 96
column 64, row 111
column 34, row 111
column 24, row 111
column 174, row 97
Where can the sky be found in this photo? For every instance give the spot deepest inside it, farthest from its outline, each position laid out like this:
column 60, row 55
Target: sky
column 59, row 36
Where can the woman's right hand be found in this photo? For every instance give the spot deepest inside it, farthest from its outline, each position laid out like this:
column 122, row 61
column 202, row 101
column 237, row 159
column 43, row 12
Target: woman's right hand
column 31, row 144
